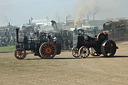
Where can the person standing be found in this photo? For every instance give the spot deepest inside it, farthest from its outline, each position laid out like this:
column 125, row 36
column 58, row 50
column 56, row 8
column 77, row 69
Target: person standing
column 54, row 39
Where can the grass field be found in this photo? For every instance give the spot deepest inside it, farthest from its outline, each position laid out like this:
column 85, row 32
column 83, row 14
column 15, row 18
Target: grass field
column 7, row 49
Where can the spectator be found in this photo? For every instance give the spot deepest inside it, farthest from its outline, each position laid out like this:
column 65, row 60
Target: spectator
column 11, row 40
column 54, row 39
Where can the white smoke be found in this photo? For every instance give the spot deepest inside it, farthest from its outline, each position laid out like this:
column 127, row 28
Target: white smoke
column 89, row 7
column 85, row 7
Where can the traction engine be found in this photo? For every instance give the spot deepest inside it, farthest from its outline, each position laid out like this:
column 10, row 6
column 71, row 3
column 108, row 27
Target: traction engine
column 40, row 46
column 95, row 46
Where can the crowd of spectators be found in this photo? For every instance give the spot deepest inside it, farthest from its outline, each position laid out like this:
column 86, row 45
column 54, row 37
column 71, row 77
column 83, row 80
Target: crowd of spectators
column 7, row 40
column 26, row 31
column 8, row 35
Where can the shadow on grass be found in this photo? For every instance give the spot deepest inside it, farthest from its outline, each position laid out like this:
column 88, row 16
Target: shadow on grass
column 32, row 59
column 76, row 58
column 4, row 52
column 50, row 59
column 64, row 58
column 119, row 56
column 109, row 57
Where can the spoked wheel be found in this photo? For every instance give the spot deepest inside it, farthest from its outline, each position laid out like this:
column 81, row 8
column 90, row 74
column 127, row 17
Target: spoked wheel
column 47, row 50
column 20, row 53
column 93, row 53
column 108, row 48
column 75, row 52
column 84, row 52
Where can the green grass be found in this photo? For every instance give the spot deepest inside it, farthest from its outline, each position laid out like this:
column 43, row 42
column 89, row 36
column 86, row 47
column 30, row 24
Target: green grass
column 7, row 49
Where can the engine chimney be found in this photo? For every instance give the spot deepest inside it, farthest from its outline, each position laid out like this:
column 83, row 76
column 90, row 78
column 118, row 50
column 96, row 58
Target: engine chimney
column 17, row 35
column 87, row 17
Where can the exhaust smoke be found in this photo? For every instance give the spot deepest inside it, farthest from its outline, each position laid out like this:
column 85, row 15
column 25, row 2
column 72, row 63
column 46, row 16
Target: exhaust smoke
column 85, row 7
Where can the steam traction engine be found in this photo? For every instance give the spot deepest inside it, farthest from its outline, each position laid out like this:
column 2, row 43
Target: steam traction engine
column 95, row 46
column 40, row 47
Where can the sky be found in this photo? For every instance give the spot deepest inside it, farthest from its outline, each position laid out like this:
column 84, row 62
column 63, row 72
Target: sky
column 19, row 12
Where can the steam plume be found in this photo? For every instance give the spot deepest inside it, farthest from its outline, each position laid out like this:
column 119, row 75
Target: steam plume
column 84, row 7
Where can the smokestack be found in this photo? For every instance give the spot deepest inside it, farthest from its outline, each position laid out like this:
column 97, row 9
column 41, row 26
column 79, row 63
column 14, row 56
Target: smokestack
column 17, row 35
column 29, row 21
column 87, row 17
column 9, row 24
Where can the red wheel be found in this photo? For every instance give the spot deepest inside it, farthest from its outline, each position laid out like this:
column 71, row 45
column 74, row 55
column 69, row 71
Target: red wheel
column 47, row 50
column 20, row 53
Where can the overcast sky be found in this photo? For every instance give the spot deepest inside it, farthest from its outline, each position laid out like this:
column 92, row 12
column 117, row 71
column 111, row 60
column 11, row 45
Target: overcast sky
column 20, row 11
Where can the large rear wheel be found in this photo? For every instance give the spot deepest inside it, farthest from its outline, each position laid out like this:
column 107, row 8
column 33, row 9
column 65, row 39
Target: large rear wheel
column 108, row 48
column 47, row 50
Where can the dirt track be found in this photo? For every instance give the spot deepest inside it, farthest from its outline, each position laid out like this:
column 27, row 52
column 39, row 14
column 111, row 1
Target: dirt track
column 65, row 70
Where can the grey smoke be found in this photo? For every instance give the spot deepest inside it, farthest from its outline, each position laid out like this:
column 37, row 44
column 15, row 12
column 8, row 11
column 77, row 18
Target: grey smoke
column 85, row 7
column 92, row 7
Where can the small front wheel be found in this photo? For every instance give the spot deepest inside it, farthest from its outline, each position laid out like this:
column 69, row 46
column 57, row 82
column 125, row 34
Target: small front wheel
column 84, row 52
column 75, row 52
column 20, row 53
